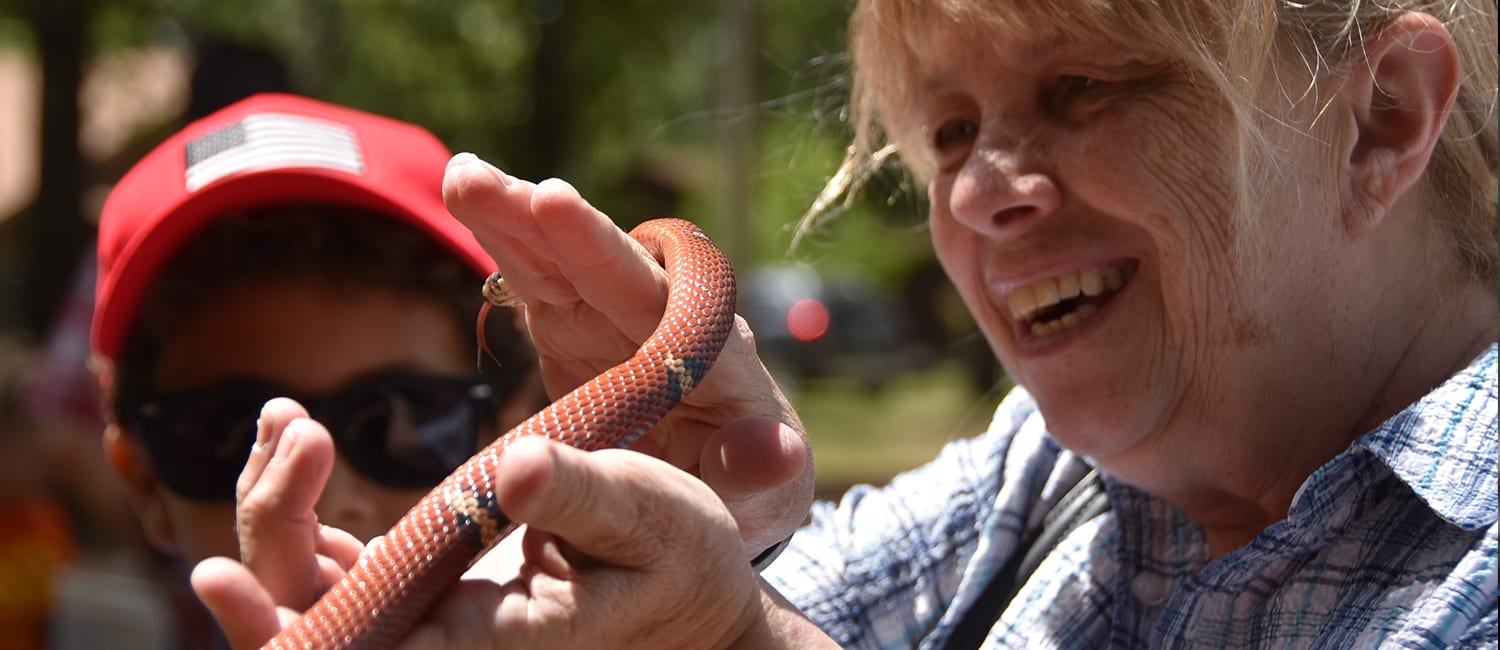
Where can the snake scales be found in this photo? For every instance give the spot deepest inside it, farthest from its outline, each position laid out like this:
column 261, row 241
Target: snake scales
column 392, row 584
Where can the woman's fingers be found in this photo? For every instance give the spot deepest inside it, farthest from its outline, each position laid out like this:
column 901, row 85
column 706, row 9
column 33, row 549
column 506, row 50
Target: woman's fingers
column 540, row 256
column 603, row 503
column 624, row 534
column 762, row 470
column 245, row 610
column 593, row 295
column 610, row 271
column 279, row 535
column 491, row 203
column 274, row 416
column 339, row 547
column 552, row 246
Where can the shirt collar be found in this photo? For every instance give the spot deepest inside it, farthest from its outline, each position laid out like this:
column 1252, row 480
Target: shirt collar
column 1444, row 445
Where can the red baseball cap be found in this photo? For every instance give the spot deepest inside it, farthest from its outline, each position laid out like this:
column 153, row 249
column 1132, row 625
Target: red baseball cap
column 266, row 150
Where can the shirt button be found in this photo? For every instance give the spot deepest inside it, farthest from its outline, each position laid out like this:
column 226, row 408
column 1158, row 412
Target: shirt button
column 1150, row 589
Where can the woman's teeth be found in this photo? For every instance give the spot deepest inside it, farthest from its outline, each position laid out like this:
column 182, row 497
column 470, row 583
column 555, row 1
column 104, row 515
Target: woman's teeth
column 1060, row 303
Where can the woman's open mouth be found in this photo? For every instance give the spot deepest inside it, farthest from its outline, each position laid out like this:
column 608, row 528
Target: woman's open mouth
column 1061, row 303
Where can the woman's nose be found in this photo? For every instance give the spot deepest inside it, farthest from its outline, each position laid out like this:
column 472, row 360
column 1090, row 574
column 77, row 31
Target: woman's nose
column 998, row 191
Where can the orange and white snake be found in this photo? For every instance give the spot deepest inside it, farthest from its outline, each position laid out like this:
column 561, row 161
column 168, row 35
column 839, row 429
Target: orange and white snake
column 395, row 582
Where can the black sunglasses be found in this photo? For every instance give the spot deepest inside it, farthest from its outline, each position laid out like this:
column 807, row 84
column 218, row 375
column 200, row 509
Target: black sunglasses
column 400, row 430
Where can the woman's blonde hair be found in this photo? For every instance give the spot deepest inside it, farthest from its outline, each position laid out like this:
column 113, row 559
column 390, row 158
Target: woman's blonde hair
column 1230, row 45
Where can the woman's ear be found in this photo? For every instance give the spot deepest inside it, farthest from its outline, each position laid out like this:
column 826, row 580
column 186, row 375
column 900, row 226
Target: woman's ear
column 1400, row 92
column 142, row 486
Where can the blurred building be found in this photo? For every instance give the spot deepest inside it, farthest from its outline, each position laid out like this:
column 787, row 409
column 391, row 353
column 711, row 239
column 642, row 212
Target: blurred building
column 126, row 99
column 124, row 94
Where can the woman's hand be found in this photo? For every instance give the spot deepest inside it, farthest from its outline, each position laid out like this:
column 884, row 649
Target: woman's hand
column 287, row 558
column 636, row 553
column 639, row 554
column 592, row 296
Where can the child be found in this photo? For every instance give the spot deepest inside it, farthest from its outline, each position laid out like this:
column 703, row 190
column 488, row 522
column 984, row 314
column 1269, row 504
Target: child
column 288, row 247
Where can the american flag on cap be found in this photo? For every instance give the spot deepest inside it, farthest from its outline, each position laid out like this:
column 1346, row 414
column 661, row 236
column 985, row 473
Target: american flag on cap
column 263, row 151
column 272, row 141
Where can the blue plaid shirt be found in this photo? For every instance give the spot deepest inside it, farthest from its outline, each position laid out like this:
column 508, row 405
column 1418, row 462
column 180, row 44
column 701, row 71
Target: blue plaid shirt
column 1390, row 544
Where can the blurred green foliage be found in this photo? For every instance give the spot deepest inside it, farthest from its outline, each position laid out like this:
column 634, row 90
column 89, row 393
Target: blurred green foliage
column 13, row 32
column 621, row 99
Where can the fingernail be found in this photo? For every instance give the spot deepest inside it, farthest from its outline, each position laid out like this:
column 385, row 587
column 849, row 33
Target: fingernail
column 288, row 439
column 262, row 430
column 468, row 158
column 461, row 158
column 561, row 186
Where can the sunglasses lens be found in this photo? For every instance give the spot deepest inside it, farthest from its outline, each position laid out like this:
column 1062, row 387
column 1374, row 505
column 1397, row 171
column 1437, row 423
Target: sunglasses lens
column 409, row 433
column 401, row 431
column 199, row 443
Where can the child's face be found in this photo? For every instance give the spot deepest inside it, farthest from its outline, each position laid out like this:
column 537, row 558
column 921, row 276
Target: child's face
column 310, row 339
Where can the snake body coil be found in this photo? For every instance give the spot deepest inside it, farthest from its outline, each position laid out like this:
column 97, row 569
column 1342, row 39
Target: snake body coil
column 395, row 582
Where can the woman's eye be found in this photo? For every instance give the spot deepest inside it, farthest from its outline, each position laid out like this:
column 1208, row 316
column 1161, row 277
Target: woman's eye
column 1071, row 93
column 1073, row 86
column 1078, row 83
column 954, row 132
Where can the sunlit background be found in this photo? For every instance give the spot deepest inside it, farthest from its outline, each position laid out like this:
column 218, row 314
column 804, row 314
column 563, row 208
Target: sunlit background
column 729, row 114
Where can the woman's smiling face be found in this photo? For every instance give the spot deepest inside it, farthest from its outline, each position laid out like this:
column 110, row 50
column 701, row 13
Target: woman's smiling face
column 1083, row 202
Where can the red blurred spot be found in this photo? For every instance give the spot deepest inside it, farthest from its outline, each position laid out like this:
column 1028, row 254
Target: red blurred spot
column 807, row 320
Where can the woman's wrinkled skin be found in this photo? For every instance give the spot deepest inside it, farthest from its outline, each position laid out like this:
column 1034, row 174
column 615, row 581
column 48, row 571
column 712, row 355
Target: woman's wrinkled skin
column 1056, row 160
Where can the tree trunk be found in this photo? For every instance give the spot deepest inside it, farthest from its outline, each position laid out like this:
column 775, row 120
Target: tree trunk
column 54, row 226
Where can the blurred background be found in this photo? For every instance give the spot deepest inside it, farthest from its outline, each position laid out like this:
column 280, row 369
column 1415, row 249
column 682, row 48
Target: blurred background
column 728, row 113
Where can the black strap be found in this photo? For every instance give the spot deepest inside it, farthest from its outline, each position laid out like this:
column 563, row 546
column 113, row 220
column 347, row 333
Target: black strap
column 1083, row 502
column 766, row 557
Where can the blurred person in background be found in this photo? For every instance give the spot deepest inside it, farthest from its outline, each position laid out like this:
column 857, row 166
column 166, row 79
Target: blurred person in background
column 62, row 393
column 286, row 247
column 37, row 537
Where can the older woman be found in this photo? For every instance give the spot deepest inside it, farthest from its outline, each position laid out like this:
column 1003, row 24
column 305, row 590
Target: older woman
column 1240, row 258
